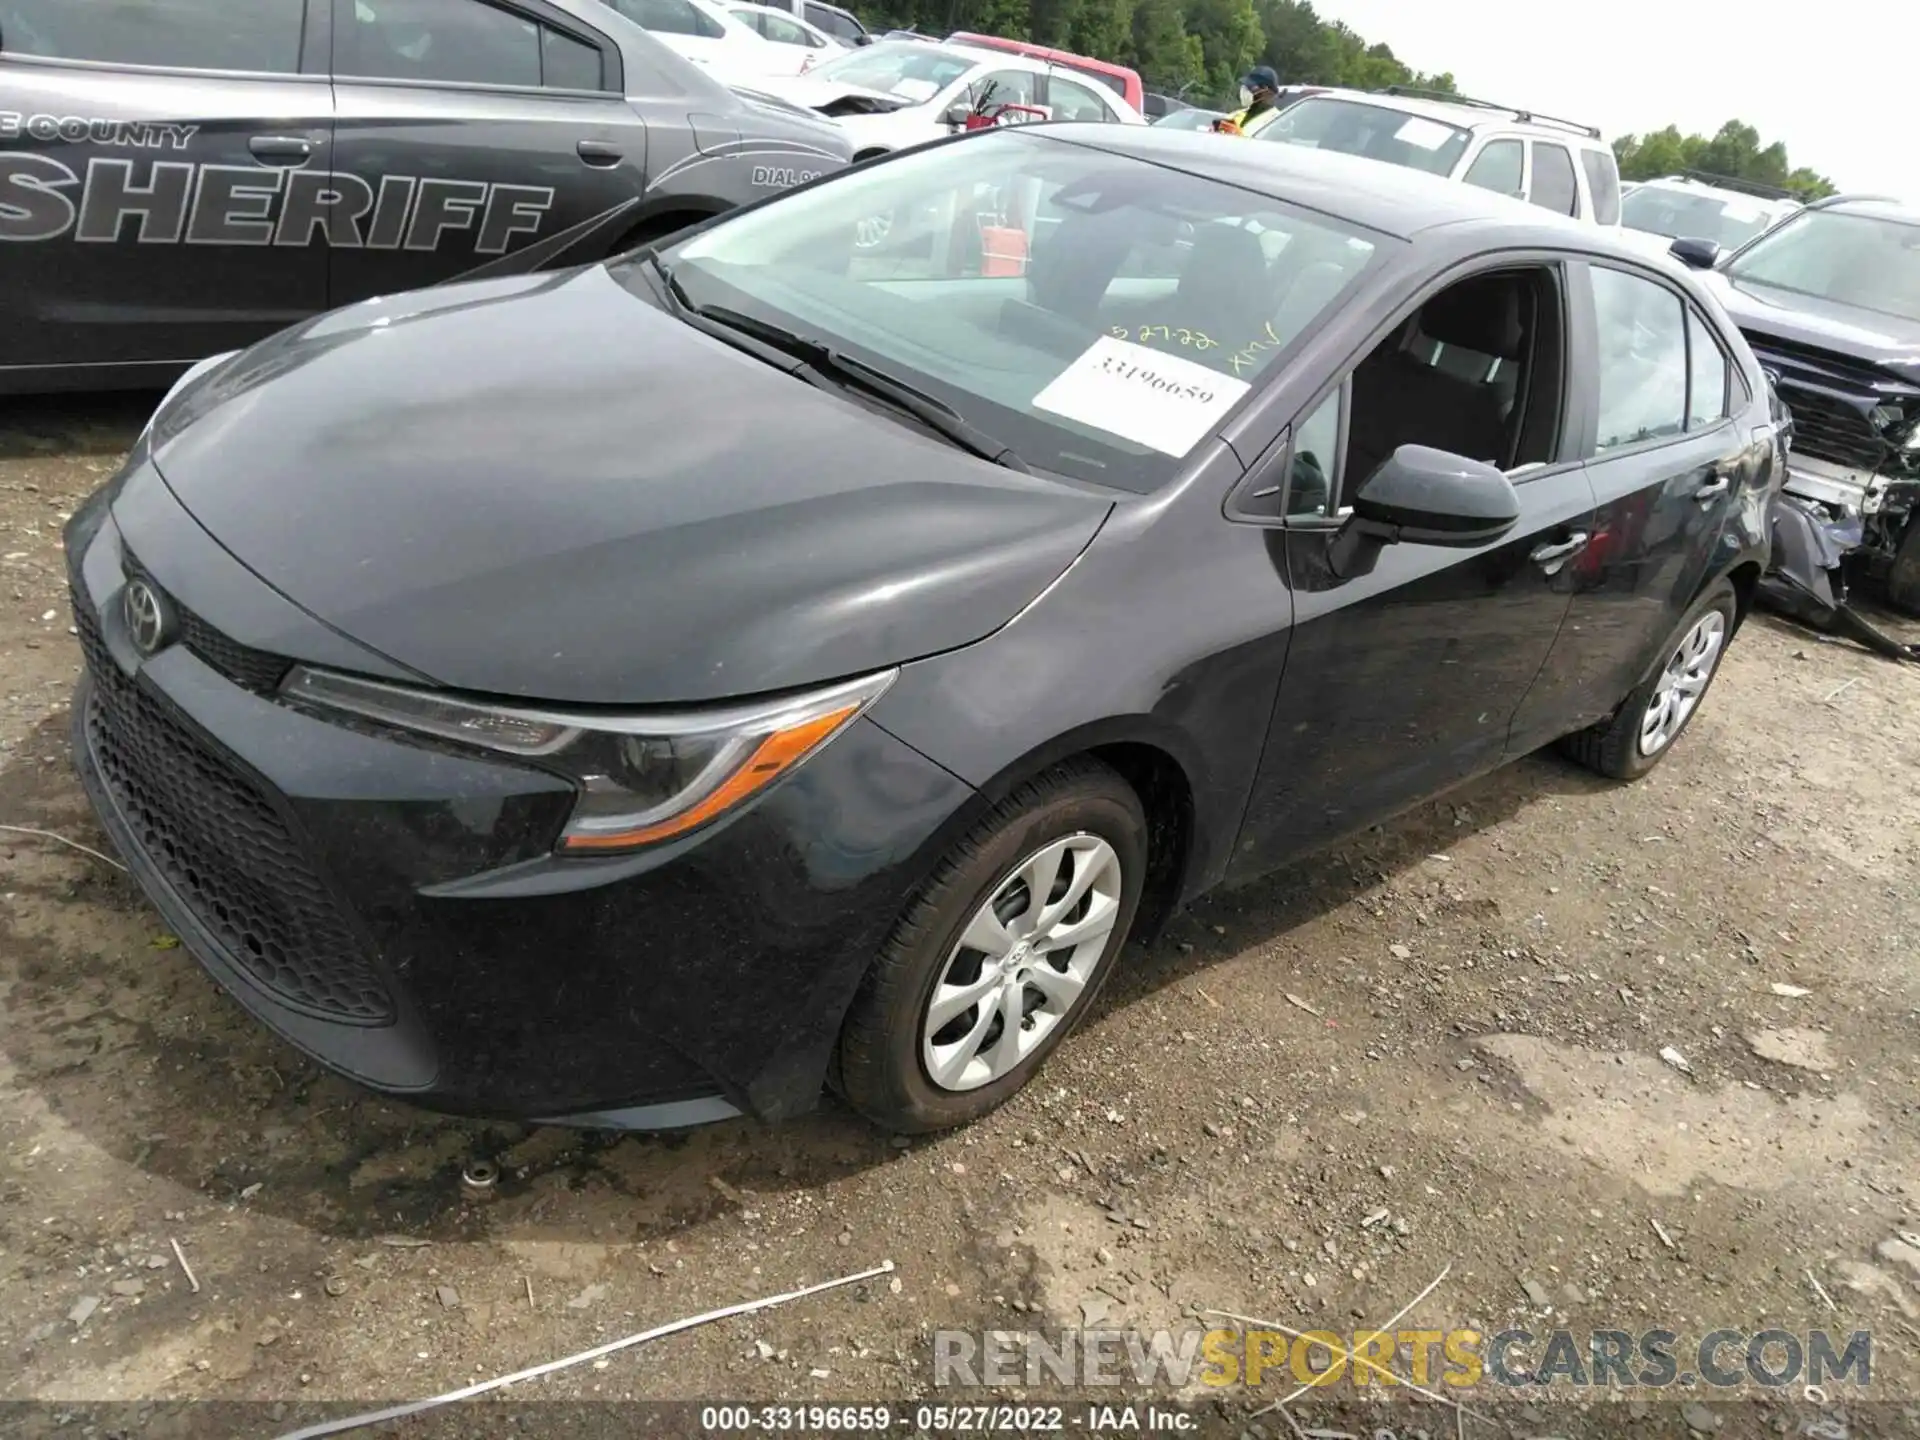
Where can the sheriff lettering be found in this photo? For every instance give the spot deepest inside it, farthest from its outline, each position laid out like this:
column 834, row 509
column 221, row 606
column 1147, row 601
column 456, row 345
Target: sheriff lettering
column 169, row 202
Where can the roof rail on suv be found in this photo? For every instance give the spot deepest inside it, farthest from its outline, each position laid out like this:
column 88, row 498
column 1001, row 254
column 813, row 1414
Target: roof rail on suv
column 1533, row 117
column 1858, row 199
column 1735, row 182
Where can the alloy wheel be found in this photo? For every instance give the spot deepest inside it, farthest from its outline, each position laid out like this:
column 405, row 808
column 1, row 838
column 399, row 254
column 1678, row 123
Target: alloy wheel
column 1684, row 680
column 1023, row 963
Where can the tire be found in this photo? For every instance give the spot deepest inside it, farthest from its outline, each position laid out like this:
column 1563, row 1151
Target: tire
column 887, row 1058
column 1614, row 747
column 1903, row 580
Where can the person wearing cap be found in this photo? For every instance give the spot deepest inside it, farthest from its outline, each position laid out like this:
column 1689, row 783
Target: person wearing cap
column 1259, row 88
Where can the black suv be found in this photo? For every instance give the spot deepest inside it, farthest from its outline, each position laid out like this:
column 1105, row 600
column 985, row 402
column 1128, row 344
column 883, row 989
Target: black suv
column 1830, row 301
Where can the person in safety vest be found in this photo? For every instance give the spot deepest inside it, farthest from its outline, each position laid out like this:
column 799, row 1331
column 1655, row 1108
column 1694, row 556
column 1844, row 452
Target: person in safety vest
column 1259, row 87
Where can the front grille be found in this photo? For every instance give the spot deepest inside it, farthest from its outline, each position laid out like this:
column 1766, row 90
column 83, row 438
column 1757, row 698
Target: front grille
column 256, row 670
column 1831, row 397
column 252, row 669
column 224, row 848
column 1831, row 429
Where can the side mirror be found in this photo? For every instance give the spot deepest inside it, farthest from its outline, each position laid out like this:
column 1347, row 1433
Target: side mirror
column 1694, row 253
column 958, row 114
column 1423, row 496
column 863, row 39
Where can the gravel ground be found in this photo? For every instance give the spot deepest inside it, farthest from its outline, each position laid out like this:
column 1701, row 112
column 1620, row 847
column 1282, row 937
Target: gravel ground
column 1438, row 1046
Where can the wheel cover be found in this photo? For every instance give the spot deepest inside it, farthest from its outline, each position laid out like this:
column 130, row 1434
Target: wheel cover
column 1022, row 965
column 1681, row 684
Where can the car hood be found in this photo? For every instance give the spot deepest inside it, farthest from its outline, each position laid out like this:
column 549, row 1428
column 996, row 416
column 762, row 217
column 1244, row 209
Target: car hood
column 547, row 487
column 829, row 96
column 1868, row 336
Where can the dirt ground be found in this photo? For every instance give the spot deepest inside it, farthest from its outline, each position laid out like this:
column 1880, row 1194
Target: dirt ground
column 1440, row 1046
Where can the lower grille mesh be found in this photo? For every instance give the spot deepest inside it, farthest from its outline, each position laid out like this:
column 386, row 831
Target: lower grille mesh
column 224, row 849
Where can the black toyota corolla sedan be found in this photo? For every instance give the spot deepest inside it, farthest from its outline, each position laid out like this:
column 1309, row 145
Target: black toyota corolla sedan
column 666, row 688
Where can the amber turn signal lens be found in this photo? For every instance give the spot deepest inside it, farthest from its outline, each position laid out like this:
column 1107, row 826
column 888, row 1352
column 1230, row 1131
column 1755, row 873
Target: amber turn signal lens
column 770, row 759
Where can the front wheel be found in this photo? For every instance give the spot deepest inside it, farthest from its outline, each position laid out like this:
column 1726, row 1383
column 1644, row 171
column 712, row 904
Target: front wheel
column 1903, row 580
column 1000, row 957
column 1641, row 732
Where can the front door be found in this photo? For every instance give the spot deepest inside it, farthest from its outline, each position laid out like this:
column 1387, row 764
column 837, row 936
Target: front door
column 468, row 131
column 144, row 202
column 1402, row 682
column 1667, row 466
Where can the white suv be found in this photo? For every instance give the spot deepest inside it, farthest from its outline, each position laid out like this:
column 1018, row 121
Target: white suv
column 1558, row 165
column 1698, row 206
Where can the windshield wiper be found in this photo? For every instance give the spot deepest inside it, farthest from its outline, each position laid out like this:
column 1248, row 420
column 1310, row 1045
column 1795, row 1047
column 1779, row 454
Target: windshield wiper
column 820, row 360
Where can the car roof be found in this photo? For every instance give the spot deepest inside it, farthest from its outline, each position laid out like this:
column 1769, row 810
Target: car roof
column 1390, row 199
column 1002, row 45
column 1463, row 114
column 1693, row 184
column 1884, row 207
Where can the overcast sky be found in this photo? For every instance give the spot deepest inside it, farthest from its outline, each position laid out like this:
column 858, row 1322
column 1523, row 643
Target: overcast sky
column 1834, row 79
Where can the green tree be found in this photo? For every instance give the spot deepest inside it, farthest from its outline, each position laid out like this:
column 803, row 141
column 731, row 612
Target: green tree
column 1734, row 151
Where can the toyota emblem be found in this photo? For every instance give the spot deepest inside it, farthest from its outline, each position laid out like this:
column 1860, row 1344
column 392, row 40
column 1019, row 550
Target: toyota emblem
column 149, row 620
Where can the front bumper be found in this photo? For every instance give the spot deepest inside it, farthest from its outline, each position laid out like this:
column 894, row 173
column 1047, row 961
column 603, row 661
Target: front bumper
column 391, row 906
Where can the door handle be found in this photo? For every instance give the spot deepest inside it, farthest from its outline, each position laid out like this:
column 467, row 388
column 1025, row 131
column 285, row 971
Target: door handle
column 281, row 149
column 1714, row 488
column 598, row 152
column 1551, row 557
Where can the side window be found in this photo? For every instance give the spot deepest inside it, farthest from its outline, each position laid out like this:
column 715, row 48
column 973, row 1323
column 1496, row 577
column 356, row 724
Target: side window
column 464, row 41
column 839, row 26
column 262, row 36
column 1553, row 183
column 569, row 64
column 1603, row 179
column 1497, row 168
column 1707, row 374
column 1072, row 101
column 1642, row 330
column 1003, row 87
column 1313, row 471
column 784, row 32
column 671, row 17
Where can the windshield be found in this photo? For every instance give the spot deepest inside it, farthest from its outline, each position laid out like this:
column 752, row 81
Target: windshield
column 1727, row 220
column 1354, row 128
column 905, row 68
column 1871, row 262
column 1098, row 314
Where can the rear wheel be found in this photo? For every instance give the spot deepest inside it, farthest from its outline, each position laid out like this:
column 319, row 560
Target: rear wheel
column 1000, row 957
column 1641, row 732
column 1903, row 580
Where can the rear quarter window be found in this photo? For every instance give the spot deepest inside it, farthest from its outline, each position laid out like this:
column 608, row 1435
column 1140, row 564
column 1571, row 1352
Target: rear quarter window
column 262, row 36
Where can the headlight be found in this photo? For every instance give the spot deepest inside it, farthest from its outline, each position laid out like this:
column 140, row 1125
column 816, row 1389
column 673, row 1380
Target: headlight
column 643, row 778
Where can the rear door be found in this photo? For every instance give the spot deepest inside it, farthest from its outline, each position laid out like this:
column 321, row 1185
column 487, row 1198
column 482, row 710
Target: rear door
column 145, row 155
column 1668, row 465
column 468, row 131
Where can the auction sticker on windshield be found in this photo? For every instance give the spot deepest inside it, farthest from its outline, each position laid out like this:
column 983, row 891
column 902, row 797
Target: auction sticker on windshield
column 1427, row 134
column 1160, row 401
